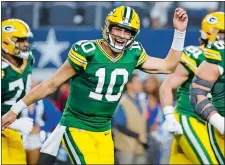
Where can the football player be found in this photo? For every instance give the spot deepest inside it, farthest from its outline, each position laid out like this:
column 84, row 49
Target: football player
column 190, row 146
column 17, row 64
column 210, row 77
column 99, row 70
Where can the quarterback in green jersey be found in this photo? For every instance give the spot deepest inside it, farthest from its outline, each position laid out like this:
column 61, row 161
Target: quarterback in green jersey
column 190, row 145
column 17, row 63
column 98, row 71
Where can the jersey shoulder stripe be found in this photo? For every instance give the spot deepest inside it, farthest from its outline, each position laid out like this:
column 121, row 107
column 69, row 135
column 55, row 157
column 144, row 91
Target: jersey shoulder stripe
column 188, row 62
column 212, row 54
column 2, row 74
column 142, row 58
column 77, row 59
column 77, row 55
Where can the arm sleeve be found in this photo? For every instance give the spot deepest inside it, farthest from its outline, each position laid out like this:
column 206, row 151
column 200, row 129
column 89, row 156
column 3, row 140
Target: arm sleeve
column 76, row 58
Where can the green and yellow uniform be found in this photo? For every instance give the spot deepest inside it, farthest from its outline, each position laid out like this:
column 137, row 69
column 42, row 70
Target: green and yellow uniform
column 94, row 94
column 16, row 82
column 194, row 145
column 214, row 53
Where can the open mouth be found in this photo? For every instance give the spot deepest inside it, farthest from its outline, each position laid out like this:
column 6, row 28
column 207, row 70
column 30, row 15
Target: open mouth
column 119, row 42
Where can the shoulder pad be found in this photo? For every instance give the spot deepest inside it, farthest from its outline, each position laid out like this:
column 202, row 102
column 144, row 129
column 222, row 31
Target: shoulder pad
column 136, row 47
column 84, row 47
column 191, row 50
column 213, row 51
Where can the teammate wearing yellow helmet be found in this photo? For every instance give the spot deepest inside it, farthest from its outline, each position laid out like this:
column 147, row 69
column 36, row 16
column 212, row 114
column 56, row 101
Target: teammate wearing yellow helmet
column 210, row 77
column 17, row 64
column 191, row 144
column 98, row 71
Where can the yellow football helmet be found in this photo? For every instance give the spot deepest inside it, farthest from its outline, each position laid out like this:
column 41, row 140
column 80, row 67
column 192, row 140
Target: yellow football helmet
column 125, row 17
column 212, row 24
column 12, row 31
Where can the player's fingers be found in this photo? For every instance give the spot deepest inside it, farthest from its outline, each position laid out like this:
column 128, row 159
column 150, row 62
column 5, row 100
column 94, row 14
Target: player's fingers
column 5, row 125
column 182, row 13
column 184, row 17
column 178, row 12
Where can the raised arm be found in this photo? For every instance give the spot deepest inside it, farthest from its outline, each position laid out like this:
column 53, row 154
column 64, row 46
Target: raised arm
column 47, row 87
column 169, row 64
column 173, row 81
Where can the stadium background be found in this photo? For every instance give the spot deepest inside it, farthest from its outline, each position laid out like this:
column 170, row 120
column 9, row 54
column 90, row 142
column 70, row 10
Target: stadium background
column 57, row 25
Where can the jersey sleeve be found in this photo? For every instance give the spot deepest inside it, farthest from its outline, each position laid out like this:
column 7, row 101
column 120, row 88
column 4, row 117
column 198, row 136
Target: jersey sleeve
column 188, row 61
column 77, row 57
column 142, row 56
column 213, row 53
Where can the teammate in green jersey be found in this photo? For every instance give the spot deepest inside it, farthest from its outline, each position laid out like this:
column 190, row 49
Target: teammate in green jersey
column 17, row 64
column 210, row 77
column 193, row 146
column 98, row 71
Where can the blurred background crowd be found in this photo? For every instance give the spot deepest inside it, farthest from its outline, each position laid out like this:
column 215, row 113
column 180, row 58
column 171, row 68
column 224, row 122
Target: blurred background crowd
column 140, row 106
column 92, row 14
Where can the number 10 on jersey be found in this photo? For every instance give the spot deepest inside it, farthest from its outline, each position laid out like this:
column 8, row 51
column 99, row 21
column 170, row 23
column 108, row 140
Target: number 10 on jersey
column 100, row 73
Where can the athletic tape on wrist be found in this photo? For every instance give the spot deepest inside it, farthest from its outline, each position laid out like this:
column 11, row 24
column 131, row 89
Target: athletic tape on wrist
column 18, row 107
column 178, row 40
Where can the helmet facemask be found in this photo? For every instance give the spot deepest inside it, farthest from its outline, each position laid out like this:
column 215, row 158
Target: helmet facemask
column 116, row 42
column 23, row 52
column 18, row 51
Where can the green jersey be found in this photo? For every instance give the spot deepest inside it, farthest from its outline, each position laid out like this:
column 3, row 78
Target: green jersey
column 16, row 82
column 99, row 83
column 192, row 57
column 214, row 53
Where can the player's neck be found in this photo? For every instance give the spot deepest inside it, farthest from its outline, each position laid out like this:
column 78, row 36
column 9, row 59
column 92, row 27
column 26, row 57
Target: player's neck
column 109, row 50
column 16, row 61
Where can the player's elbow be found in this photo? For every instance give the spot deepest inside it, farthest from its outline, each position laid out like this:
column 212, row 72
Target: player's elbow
column 171, row 65
column 170, row 68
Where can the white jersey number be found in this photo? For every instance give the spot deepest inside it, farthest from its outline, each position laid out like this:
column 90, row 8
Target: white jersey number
column 101, row 80
column 18, row 83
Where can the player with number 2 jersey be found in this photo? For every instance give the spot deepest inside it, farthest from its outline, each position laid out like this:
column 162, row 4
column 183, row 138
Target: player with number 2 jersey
column 17, row 64
column 98, row 71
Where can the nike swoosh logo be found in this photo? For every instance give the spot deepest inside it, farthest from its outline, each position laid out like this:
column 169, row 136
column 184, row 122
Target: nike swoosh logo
column 106, row 133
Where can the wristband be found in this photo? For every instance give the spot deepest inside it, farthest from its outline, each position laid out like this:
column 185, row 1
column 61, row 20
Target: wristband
column 18, row 107
column 178, row 40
